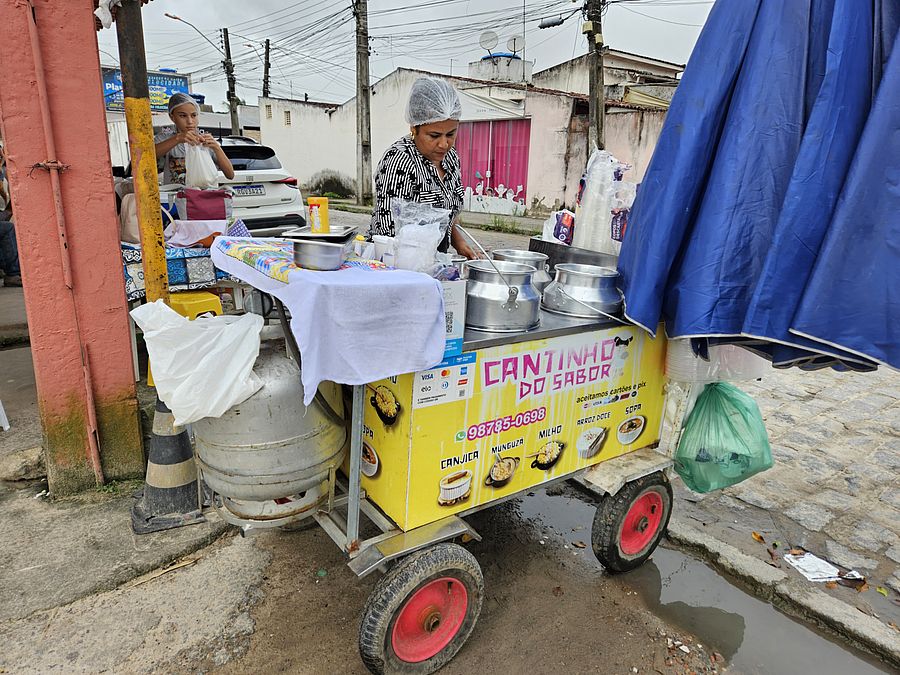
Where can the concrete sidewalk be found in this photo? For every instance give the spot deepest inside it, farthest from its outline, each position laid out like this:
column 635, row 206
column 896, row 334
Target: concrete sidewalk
column 55, row 552
column 834, row 491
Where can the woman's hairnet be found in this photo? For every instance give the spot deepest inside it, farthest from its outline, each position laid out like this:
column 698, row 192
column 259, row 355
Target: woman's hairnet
column 180, row 99
column 432, row 100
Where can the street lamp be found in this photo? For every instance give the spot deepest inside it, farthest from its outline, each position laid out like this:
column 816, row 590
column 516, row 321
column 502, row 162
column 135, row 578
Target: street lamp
column 199, row 32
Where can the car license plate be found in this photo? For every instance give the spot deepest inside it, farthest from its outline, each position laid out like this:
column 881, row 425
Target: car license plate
column 249, row 190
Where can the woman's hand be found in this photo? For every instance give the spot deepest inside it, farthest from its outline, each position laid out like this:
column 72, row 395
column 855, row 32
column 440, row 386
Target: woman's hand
column 468, row 251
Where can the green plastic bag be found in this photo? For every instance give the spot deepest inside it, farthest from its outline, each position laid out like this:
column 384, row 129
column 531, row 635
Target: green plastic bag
column 724, row 440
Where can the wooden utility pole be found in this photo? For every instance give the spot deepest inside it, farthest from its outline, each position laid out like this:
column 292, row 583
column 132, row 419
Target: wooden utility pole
column 593, row 28
column 232, row 96
column 363, row 110
column 266, row 71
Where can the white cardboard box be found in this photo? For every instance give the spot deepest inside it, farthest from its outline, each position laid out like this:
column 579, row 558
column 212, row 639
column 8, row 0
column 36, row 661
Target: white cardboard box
column 454, row 315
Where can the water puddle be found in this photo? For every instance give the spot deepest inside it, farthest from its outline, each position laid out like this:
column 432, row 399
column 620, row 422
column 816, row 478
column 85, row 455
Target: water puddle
column 753, row 636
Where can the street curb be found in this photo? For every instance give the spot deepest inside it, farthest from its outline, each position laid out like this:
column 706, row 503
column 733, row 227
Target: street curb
column 366, row 210
column 791, row 595
column 14, row 336
column 513, row 227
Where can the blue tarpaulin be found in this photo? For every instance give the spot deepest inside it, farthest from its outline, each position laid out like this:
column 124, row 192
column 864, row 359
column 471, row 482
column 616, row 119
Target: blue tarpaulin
column 772, row 203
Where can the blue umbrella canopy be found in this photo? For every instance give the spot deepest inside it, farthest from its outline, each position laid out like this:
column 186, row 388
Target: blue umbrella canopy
column 761, row 145
column 852, row 300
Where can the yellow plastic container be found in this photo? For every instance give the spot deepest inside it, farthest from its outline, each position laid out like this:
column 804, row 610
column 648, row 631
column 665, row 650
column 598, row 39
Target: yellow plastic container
column 191, row 304
column 318, row 214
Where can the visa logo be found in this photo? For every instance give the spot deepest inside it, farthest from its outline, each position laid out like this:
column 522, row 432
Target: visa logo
column 428, row 376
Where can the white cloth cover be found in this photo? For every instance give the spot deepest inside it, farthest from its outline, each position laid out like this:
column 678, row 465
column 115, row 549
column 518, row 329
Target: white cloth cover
column 186, row 233
column 355, row 326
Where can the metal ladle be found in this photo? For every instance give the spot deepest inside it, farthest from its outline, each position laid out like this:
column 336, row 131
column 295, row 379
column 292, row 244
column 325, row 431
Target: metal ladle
column 510, row 305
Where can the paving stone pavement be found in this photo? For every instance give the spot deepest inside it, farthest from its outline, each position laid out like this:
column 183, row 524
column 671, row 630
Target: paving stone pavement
column 835, row 486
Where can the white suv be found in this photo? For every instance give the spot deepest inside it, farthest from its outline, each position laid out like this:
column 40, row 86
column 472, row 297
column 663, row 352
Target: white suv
column 266, row 197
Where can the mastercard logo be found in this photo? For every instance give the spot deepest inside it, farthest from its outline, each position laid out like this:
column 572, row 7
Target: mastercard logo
column 445, row 373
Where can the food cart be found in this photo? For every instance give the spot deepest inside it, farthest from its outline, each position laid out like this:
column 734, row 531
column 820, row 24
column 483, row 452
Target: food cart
column 573, row 398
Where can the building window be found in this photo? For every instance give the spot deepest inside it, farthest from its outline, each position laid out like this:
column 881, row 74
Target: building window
column 287, row 118
column 268, row 111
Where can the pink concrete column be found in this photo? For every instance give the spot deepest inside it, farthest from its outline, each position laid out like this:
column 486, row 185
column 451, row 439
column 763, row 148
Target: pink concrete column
column 92, row 314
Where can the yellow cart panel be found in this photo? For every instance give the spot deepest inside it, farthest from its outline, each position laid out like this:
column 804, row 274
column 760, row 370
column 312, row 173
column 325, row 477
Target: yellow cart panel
column 503, row 419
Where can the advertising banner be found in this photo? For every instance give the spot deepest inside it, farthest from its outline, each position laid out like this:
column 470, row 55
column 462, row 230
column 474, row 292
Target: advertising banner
column 493, row 422
column 162, row 86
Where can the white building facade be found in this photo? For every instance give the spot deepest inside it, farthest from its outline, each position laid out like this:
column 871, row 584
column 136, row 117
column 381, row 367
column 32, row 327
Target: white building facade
column 523, row 147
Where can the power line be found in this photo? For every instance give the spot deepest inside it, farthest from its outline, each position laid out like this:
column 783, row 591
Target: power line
column 656, row 18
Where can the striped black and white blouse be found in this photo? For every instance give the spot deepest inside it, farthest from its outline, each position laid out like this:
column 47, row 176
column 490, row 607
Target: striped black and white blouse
column 404, row 173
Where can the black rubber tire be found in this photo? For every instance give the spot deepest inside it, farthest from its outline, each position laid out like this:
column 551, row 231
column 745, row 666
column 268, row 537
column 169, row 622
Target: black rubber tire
column 391, row 593
column 610, row 515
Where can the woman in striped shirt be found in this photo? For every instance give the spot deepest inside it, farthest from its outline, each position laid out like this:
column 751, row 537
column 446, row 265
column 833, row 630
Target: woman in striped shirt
column 424, row 166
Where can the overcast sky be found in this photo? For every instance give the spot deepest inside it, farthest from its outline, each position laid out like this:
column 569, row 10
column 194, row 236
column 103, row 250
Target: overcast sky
column 313, row 41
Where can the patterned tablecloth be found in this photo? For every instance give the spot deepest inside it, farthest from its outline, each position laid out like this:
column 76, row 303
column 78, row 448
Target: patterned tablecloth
column 275, row 259
column 189, row 269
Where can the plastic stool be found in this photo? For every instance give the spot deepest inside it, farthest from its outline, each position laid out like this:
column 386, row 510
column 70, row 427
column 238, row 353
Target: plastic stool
column 191, row 304
column 194, row 303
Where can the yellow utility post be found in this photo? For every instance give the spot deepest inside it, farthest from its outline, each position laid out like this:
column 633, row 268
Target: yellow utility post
column 133, row 63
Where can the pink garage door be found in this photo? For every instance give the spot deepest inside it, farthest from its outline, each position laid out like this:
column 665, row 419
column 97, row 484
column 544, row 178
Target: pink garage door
column 499, row 147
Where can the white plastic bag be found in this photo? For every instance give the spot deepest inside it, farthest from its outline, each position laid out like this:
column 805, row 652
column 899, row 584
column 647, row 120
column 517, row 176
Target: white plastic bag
column 559, row 228
column 419, row 230
column 200, row 170
column 204, row 367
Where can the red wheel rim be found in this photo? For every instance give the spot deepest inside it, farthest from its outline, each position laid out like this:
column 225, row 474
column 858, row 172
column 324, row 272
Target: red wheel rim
column 429, row 620
column 641, row 523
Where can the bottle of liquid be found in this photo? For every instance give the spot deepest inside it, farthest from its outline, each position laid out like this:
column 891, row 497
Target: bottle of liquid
column 318, row 215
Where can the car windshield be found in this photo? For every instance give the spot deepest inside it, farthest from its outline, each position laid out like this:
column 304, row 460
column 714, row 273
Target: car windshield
column 251, row 157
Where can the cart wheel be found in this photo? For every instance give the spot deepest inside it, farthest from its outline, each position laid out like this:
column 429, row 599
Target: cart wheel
column 422, row 611
column 629, row 524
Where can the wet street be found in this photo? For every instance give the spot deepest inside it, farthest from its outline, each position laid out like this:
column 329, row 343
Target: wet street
column 549, row 607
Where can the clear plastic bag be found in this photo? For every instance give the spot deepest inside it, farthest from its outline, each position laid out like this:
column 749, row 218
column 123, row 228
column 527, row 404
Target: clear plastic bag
column 201, row 368
column 724, row 440
column 200, row 170
column 603, row 205
column 419, row 230
column 726, row 362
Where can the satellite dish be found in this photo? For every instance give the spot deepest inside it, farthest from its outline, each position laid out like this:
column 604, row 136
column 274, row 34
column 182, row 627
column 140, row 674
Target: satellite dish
column 515, row 44
column 488, row 40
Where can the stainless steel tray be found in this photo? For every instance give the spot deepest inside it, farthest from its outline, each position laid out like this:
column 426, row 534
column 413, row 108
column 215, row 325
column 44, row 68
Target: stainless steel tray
column 322, row 256
column 338, row 233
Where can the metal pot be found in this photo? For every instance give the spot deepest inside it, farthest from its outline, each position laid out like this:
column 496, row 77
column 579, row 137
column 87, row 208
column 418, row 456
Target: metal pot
column 501, row 298
column 271, row 446
column 585, row 291
column 541, row 277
